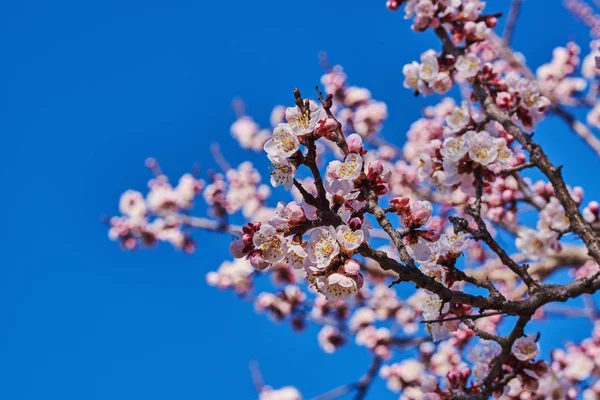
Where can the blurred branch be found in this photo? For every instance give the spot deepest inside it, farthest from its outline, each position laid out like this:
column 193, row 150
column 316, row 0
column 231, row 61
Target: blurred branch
column 215, row 149
column 365, row 382
column 257, row 378
column 511, row 21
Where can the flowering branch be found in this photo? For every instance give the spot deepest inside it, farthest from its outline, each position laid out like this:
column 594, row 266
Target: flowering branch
column 366, row 217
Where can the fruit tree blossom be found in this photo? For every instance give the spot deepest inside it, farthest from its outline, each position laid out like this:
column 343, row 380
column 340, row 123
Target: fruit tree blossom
column 455, row 220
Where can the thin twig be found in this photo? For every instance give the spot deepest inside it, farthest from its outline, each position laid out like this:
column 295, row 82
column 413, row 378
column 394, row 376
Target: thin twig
column 512, row 170
column 579, row 128
column 337, row 392
column 463, row 317
column 215, row 149
column 257, row 378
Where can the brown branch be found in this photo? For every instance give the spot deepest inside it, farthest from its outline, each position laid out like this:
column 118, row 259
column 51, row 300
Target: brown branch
column 311, row 162
column 512, row 170
column 463, row 317
column 308, row 197
column 483, row 334
column 423, row 281
column 339, row 138
column 462, row 225
column 386, row 225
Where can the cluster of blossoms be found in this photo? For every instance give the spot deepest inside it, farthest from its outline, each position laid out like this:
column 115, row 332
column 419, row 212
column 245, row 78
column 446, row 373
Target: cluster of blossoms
column 248, row 133
column 555, row 77
column 435, row 73
column 559, row 80
column 326, row 257
column 154, row 218
column 465, row 16
column 239, row 189
column 353, row 106
column 283, row 304
column 410, row 378
column 236, row 274
column 552, row 223
column 575, row 365
column 435, row 204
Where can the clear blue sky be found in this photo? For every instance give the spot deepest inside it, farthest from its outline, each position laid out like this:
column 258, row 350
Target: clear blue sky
column 88, row 90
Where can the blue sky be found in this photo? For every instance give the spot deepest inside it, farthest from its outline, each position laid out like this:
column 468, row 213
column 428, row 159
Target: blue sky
column 88, row 91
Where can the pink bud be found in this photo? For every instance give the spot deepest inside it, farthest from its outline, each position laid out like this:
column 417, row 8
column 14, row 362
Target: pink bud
column 355, row 144
column 430, row 235
column 375, row 169
column 494, row 200
column 504, row 100
column 360, row 280
column 578, row 193
column 247, row 238
column 351, row 267
column 326, row 125
column 491, row 22
column 421, row 23
column 393, row 5
column 151, row 163
column 189, row 246
column 237, row 248
column 470, row 27
column 401, row 204
column 507, row 195
column 355, row 223
column 382, row 188
column 294, row 212
column 459, row 378
column 257, row 260
column 420, row 213
column 129, row 243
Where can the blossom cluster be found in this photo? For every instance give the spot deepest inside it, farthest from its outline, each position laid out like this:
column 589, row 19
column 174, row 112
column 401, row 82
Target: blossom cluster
column 155, row 217
column 326, row 255
column 364, row 215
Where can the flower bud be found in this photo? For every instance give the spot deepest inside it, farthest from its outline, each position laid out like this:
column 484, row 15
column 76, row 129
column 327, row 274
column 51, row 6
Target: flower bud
column 351, row 267
column 360, row 280
column 355, row 144
column 257, row 260
column 430, row 235
column 375, row 169
column 401, row 204
column 294, row 212
column 491, row 22
column 355, row 223
column 326, row 125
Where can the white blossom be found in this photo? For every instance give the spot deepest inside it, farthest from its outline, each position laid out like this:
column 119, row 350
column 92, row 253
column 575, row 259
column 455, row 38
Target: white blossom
column 283, row 144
